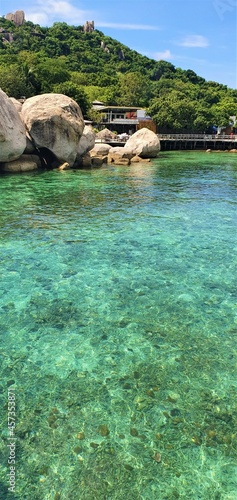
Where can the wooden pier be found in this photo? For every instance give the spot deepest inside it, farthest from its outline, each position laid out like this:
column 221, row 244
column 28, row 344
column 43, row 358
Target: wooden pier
column 169, row 142
column 197, row 141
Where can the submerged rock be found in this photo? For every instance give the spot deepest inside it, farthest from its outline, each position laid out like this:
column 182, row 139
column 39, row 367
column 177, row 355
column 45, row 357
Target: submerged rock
column 103, row 430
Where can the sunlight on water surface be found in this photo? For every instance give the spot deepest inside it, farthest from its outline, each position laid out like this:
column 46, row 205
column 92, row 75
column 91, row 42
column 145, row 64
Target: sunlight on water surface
column 118, row 327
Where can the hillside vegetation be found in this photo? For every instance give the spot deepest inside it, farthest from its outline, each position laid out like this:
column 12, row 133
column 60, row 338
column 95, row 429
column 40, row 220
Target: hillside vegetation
column 92, row 66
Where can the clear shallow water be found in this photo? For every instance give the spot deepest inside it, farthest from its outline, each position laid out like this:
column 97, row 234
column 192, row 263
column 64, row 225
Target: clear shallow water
column 118, row 330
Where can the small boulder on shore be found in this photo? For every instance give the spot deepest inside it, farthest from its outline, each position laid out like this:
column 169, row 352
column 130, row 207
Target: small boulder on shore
column 120, row 155
column 100, row 150
column 25, row 163
column 144, row 143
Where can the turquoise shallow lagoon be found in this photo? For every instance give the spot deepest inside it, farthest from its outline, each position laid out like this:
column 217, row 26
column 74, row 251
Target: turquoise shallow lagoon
column 118, row 328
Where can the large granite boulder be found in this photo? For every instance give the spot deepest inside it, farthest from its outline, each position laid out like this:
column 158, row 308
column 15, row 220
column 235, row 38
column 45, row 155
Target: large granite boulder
column 12, row 130
column 54, row 122
column 144, row 143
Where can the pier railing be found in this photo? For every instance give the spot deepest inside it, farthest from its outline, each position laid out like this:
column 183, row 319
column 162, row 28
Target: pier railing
column 198, row 137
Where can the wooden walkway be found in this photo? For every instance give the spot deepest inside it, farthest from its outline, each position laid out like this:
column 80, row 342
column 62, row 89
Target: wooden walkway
column 185, row 141
column 197, row 141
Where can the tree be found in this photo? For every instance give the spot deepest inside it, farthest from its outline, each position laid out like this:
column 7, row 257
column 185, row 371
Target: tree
column 13, row 81
column 222, row 111
column 36, row 59
column 51, row 72
column 134, row 89
column 163, row 68
column 106, row 95
column 172, row 113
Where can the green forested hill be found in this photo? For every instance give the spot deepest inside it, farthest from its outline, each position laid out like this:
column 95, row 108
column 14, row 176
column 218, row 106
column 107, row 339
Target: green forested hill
column 89, row 66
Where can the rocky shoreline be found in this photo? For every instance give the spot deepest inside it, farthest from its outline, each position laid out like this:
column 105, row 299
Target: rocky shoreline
column 48, row 131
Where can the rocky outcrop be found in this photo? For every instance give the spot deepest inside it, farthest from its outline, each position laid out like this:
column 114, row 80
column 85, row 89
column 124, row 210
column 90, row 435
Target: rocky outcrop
column 141, row 146
column 144, row 143
column 103, row 46
column 49, row 129
column 12, row 130
column 89, row 26
column 54, row 122
column 18, row 18
column 25, row 163
column 6, row 36
column 121, row 55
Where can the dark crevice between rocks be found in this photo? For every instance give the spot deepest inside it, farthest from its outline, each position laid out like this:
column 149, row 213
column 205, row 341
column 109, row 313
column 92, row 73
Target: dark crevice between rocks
column 47, row 158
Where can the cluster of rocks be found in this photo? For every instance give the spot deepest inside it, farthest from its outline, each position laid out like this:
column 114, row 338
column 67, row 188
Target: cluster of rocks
column 141, row 146
column 48, row 131
column 89, row 26
column 18, row 17
column 104, row 47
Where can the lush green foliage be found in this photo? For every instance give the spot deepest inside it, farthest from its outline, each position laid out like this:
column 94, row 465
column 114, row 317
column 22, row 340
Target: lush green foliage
column 92, row 66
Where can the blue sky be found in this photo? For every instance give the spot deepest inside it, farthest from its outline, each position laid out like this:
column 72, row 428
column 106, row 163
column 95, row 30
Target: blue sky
column 191, row 34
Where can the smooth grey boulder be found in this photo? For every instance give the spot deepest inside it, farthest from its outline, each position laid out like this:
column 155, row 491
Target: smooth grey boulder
column 144, row 143
column 12, row 130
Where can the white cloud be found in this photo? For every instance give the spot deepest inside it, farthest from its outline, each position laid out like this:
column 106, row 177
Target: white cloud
column 37, row 18
column 123, row 26
column 45, row 12
column 166, row 54
column 194, row 41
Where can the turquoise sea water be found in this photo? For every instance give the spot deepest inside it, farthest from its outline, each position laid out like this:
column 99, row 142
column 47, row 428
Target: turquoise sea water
column 118, row 327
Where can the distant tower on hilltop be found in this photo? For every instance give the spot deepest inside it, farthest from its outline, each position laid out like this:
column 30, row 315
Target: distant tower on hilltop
column 89, row 26
column 18, row 18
